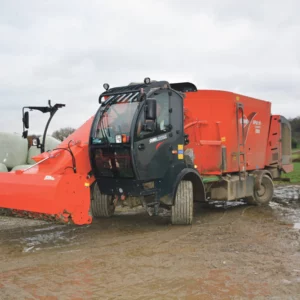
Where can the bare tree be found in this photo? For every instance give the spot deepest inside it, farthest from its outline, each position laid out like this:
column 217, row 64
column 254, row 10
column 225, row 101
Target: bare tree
column 63, row 133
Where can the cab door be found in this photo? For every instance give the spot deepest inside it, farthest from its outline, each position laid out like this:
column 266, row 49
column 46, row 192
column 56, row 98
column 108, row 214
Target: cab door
column 155, row 152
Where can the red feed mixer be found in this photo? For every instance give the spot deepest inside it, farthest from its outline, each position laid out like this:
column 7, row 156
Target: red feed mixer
column 156, row 144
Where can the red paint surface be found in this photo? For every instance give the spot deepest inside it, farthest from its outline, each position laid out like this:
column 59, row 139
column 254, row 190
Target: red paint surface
column 65, row 195
column 210, row 121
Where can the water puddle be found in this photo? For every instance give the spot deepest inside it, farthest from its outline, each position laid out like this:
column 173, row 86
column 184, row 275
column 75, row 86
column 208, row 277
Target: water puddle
column 48, row 240
column 33, row 239
column 225, row 205
column 297, row 225
column 286, row 204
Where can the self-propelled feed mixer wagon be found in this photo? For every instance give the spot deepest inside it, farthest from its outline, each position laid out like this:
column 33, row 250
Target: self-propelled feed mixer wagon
column 156, row 144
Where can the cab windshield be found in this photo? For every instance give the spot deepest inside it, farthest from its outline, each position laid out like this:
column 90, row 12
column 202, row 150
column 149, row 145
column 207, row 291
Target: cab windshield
column 114, row 121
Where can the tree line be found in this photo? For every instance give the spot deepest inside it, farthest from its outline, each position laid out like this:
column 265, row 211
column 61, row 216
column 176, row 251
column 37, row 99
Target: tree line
column 63, row 133
column 295, row 124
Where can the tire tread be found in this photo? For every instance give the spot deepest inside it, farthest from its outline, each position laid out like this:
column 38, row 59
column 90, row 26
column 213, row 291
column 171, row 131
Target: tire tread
column 182, row 210
column 100, row 203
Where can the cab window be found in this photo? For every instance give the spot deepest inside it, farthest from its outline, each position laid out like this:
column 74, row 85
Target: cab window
column 163, row 117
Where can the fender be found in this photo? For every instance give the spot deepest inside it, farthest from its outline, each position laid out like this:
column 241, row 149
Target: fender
column 198, row 186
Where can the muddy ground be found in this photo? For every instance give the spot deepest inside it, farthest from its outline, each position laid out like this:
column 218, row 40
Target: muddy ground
column 230, row 252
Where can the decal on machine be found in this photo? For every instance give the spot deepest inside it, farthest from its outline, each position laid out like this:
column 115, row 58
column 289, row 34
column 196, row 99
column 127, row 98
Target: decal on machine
column 48, row 177
column 248, row 120
column 180, row 151
column 257, row 125
column 244, row 121
column 158, row 138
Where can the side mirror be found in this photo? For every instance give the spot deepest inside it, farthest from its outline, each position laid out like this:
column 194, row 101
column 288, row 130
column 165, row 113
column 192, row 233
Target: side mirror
column 26, row 119
column 150, row 110
column 25, row 134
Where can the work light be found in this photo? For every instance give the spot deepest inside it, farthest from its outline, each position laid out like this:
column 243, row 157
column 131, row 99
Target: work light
column 119, row 139
column 147, row 80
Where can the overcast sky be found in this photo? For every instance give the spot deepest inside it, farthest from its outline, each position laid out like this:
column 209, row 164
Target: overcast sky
column 66, row 50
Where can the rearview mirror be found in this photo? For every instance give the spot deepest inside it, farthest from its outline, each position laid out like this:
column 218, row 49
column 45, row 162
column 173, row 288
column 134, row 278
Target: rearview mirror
column 25, row 134
column 150, row 110
column 26, row 119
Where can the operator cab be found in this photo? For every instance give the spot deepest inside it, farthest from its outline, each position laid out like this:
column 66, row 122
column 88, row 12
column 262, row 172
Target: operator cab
column 137, row 139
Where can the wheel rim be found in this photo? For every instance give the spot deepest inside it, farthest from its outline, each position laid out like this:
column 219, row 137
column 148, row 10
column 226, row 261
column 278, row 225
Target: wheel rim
column 261, row 191
column 264, row 194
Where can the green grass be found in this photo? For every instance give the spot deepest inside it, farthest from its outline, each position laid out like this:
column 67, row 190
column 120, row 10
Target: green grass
column 295, row 175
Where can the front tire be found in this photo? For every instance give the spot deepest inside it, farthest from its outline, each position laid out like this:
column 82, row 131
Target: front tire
column 101, row 205
column 265, row 194
column 182, row 210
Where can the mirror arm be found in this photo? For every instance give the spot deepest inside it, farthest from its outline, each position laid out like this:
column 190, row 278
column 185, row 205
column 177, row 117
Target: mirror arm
column 52, row 113
column 44, row 109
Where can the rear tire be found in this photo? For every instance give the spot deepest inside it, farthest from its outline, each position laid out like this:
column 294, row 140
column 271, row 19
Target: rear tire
column 182, row 210
column 101, row 205
column 265, row 194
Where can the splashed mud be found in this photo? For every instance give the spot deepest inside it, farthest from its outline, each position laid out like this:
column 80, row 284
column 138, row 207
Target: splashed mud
column 231, row 251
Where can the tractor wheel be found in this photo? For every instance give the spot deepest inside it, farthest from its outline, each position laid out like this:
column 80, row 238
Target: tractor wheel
column 101, row 205
column 182, row 210
column 263, row 195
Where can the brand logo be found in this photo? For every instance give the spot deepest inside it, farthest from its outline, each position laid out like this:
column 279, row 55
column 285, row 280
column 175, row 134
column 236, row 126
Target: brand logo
column 244, row 121
column 257, row 125
column 158, row 138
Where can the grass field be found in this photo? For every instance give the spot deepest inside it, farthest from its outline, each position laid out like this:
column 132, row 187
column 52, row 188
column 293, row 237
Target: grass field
column 296, row 155
column 295, row 175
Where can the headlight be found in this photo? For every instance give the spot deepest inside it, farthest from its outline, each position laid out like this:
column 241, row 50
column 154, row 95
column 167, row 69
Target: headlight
column 147, row 80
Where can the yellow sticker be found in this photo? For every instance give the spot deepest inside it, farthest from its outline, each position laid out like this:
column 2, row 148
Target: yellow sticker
column 237, row 98
column 86, row 184
column 223, row 139
column 180, row 151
